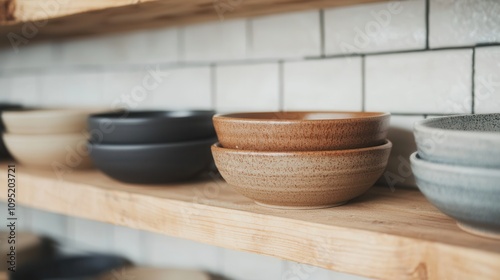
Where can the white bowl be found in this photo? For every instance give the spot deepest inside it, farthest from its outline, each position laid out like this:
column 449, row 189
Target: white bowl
column 47, row 121
column 59, row 151
column 471, row 195
column 467, row 140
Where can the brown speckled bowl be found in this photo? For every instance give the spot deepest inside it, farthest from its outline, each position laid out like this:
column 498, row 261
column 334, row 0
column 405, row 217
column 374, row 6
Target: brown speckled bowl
column 301, row 131
column 302, row 180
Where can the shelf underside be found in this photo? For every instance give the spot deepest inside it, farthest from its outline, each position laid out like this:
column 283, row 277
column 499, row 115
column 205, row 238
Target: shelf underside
column 39, row 20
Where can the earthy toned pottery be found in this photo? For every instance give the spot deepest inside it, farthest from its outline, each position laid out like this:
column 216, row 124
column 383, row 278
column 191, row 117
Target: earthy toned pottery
column 146, row 273
column 150, row 127
column 49, row 150
column 302, row 180
column 47, row 121
column 468, row 140
column 6, row 107
column 84, row 267
column 301, row 131
column 471, row 195
column 153, row 163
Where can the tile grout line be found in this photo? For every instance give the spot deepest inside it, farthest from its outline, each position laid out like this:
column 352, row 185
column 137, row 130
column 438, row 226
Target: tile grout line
column 427, row 18
column 322, row 32
column 473, row 81
column 363, row 83
column 281, row 85
column 213, row 87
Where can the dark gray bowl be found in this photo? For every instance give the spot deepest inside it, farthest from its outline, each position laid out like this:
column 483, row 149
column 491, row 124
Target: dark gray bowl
column 471, row 195
column 467, row 140
column 85, row 267
column 153, row 163
column 150, row 127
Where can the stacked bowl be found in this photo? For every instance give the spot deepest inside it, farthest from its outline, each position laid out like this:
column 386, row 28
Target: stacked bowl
column 151, row 147
column 49, row 138
column 301, row 160
column 457, row 167
column 6, row 107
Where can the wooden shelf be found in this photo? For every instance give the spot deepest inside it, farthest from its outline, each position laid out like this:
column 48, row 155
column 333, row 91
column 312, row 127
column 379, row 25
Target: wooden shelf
column 84, row 17
column 382, row 234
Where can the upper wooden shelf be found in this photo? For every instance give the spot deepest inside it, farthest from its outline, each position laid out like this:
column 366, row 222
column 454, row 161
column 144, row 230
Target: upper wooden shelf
column 62, row 18
column 383, row 234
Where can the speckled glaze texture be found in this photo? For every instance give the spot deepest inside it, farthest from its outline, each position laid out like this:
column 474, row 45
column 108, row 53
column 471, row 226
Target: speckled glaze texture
column 301, row 131
column 302, row 180
column 471, row 195
column 468, row 140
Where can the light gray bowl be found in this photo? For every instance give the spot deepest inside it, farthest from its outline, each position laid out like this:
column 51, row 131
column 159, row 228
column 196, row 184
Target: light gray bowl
column 471, row 195
column 467, row 140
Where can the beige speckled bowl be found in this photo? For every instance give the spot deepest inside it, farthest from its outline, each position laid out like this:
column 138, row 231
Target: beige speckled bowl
column 302, row 180
column 63, row 151
column 47, row 121
column 301, row 131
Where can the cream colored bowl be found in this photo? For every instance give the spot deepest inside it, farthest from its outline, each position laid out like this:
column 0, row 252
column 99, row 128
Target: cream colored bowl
column 48, row 121
column 59, row 151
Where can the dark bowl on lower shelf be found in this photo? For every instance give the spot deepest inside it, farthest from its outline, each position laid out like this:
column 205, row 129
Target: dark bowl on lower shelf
column 69, row 268
column 153, row 163
column 150, row 127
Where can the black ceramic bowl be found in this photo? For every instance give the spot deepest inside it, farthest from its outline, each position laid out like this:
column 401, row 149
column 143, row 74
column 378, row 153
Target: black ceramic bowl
column 69, row 268
column 150, row 127
column 153, row 163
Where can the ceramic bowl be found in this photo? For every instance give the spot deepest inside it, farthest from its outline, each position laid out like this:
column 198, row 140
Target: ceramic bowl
column 47, row 121
column 152, row 163
column 302, row 180
column 470, row 195
column 60, row 151
column 468, row 140
column 6, row 107
column 151, row 127
column 301, row 131
column 81, row 267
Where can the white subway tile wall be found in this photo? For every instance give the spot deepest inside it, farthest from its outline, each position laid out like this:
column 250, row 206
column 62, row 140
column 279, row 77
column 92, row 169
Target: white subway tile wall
column 487, row 80
column 286, row 36
column 327, row 84
column 380, row 27
column 28, row 56
column 420, row 82
column 247, row 87
column 267, row 63
column 463, row 22
column 215, row 41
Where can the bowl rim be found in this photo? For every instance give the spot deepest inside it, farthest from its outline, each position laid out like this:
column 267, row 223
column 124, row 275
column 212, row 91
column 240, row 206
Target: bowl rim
column 416, row 160
column 41, row 113
column 422, row 126
column 236, row 117
column 109, row 147
column 218, row 147
column 116, row 116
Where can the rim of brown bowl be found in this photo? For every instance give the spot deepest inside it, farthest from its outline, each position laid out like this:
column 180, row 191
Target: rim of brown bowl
column 387, row 144
column 253, row 116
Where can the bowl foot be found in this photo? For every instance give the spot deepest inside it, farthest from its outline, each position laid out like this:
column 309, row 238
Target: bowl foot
column 478, row 231
column 300, row 207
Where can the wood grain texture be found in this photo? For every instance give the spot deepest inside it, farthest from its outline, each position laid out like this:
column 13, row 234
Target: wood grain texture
column 382, row 234
column 67, row 18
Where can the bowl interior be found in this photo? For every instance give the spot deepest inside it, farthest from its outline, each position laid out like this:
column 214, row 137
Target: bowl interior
column 302, row 116
column 481, row 122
